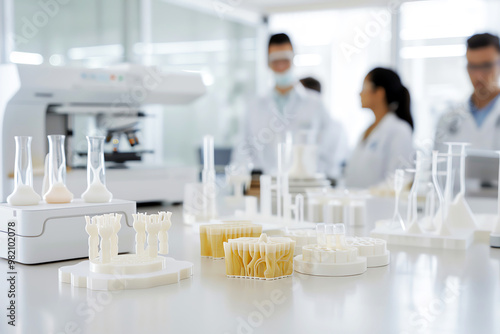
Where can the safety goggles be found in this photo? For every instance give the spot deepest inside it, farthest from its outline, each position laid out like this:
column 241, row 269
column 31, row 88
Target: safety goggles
column 279, row 56
column 484, row 67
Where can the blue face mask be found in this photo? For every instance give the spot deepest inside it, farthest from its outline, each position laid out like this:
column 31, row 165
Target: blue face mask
column 284, row 79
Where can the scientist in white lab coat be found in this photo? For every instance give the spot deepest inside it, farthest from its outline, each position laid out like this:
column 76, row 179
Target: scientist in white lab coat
column 477, row 120
column 289, row 108
column 387, row 144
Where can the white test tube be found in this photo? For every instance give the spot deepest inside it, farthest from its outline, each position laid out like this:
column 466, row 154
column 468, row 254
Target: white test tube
column 287, row 207
column 321, row 234
column 448, row 192
column 208, row 176
column 442, row 204
column 250, row 206
column 333, row 212
column 463, row 155
column 208, row 157
column 357, row 213
column 339, row 232
column 299, row 208
column 411, row 213
column 329, row 234
column 265, row 195
column 278, row 181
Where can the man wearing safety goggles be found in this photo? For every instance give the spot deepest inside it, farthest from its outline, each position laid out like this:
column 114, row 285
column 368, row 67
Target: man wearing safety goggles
column 477, row 121
column 290, row 111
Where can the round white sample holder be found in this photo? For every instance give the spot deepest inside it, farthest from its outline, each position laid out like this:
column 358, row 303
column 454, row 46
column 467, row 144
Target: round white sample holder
column 126, row 271
column 320, row 261
column 375, row 250
column 128, row 264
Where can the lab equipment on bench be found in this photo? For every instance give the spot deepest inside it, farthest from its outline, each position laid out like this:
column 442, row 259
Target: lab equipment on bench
column 200, row 199
column 453, row 225
column 122, row 103
column 51, row 230
column 289, row 209
column 337, row 206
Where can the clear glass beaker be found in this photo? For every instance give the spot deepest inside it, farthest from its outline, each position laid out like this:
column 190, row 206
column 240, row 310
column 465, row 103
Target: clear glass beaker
column 57, row 160
column 23, row 193
column 23, row 166
column 96, row 176
column 95, row 160
column 57, row 193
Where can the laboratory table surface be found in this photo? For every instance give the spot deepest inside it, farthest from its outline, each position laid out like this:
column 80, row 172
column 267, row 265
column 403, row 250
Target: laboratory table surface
column 421, row 291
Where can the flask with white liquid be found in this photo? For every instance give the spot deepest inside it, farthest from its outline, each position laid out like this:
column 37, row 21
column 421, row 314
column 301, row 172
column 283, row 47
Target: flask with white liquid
column 96, row 182
column 23, row 193
column 57, row 192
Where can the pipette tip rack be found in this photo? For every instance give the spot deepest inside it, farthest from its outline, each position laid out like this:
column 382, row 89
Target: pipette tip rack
column 338, row 255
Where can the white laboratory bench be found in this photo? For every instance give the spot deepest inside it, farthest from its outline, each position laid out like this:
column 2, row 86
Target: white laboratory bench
column 421, row 291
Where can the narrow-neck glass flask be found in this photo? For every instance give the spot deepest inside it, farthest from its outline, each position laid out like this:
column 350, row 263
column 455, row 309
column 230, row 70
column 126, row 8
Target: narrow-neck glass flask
column 23, row 193
column 58, row 192
column 96, row 176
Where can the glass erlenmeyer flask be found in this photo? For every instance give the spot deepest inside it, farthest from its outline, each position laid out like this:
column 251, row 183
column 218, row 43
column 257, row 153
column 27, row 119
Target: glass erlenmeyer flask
column 23, row 193
column 57, row 193
column 96, row 181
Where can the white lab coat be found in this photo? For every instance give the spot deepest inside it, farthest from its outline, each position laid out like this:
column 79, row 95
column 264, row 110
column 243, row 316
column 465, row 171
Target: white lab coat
column 460, row 126
column 264, row 127
column 388, row 147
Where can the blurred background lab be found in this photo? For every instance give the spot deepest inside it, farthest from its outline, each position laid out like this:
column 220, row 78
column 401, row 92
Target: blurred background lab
column 228, row 43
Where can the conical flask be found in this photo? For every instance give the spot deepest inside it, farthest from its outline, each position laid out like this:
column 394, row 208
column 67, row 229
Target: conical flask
column 96, row 179
column 58, row 192
column 23, row 193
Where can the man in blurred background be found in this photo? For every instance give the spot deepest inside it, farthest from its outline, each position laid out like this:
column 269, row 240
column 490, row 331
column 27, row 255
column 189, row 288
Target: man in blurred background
column 477, row 121
column 289, row 110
